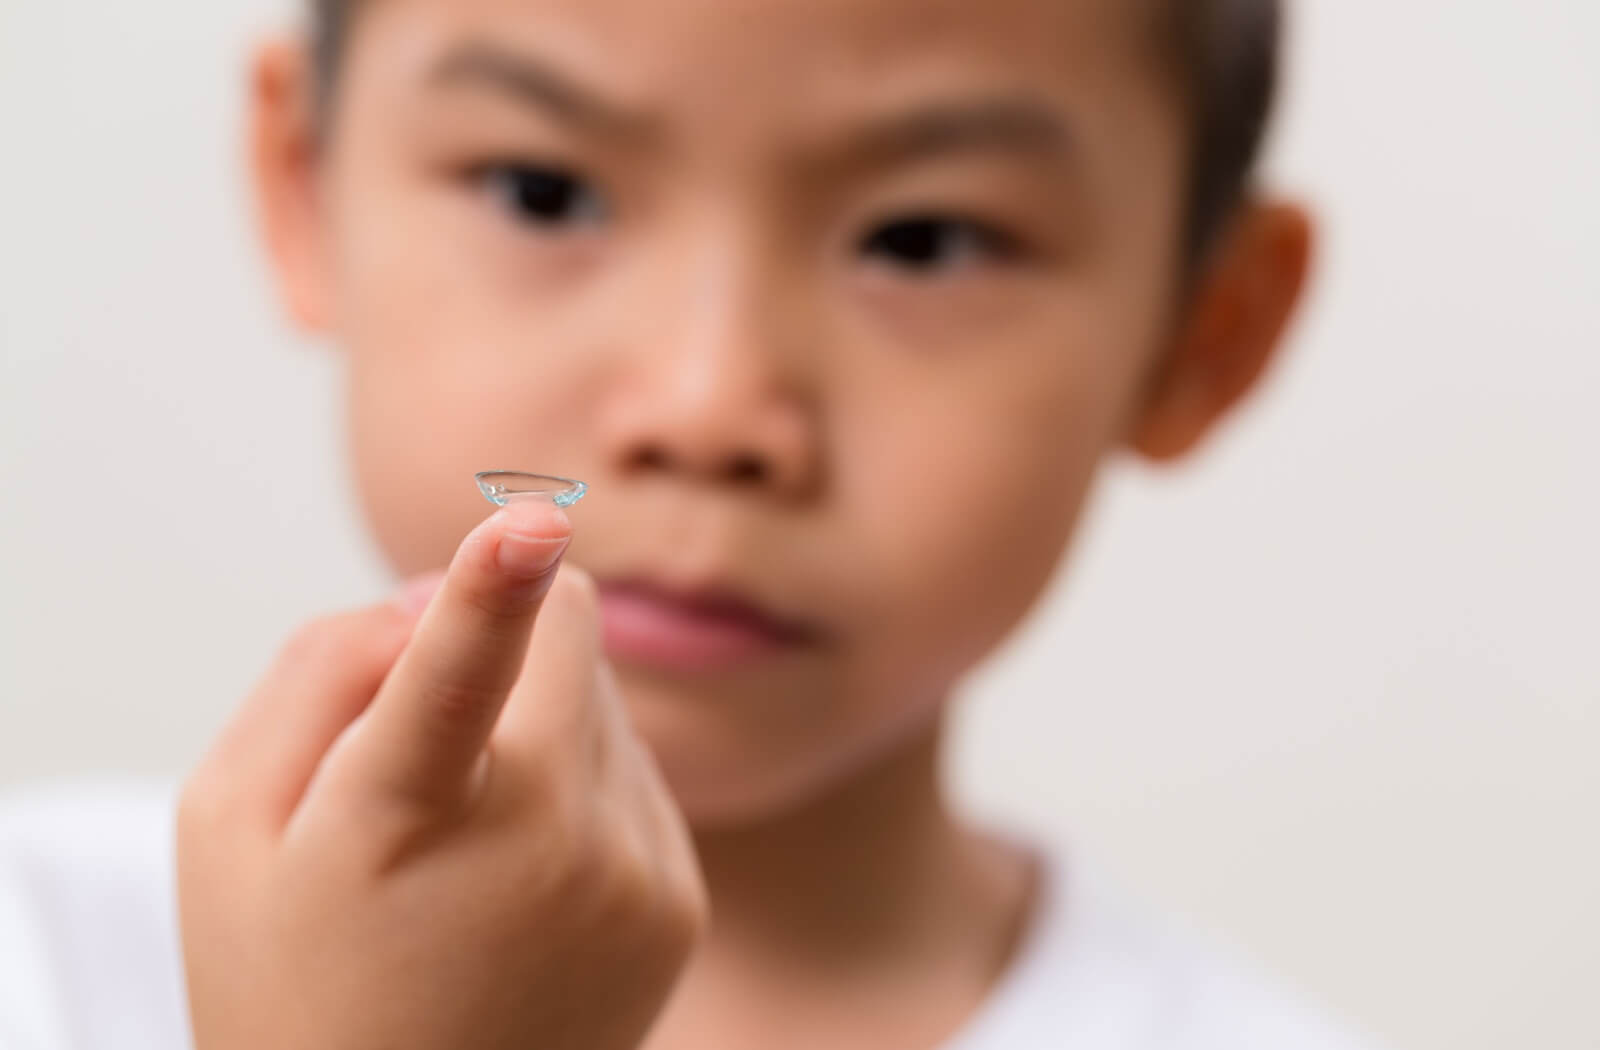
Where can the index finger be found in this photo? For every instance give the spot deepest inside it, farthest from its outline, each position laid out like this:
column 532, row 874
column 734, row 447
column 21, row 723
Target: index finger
column 431, row 718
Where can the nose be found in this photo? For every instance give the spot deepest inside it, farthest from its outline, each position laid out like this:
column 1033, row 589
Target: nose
column 717, row 390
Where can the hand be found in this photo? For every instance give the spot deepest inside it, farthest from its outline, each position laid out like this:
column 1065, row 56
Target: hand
column 438, row 833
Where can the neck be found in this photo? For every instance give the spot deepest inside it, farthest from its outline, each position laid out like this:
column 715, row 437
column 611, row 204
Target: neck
column 875, row 870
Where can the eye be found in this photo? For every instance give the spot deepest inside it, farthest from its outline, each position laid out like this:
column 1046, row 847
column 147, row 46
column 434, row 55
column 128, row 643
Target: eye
column 542, row 196
column 927, row 243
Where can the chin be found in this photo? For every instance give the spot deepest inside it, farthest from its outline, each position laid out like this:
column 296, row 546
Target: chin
column 723, row 770
column 730, row 764
column 725, row 787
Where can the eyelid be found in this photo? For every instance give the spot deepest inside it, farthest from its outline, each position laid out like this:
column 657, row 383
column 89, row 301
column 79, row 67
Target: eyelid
column 998, row 233
column 997, row 242
column 478, row 171
column 521, row 159
column 479, row 174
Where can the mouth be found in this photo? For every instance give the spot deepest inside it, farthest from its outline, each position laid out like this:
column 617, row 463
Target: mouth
column 696, row 629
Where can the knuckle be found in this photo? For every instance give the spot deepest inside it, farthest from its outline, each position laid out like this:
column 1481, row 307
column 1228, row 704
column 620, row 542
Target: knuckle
column 370, row 654
column 455, row 704
column 332, row 636
column 593, row 846
column 623, row 879
column 306, row 642
column 501, row 610
column 687, row 919
column 544, row 787
column 678, row 914
column 489, row 602
column 695, row 897
column 683, row 899
column 606, row 877
column 561, row 862
column 199, row 802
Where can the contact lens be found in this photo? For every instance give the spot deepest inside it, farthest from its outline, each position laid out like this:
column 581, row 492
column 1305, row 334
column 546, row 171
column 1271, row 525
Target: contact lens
column 502, row 486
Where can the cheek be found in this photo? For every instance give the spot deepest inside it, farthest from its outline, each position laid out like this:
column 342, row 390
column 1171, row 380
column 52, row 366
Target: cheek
column 976, row 495
column 449, row 371
column 420, row 424
column 418, row 433
column 956, row 519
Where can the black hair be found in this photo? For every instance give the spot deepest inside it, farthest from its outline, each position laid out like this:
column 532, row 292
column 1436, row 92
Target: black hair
column 1224, row 55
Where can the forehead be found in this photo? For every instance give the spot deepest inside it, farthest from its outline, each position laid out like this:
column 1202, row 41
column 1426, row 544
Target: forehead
column 785, row 62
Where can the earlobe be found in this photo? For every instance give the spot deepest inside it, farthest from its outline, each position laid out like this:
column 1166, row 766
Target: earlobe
column 1235, row 323
column 283, row 167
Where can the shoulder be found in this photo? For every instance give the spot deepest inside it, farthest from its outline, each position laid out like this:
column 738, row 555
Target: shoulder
column 1224, row 999
column 88, row 911
column 1100, row 968
column 72, row 815
column 72, row 845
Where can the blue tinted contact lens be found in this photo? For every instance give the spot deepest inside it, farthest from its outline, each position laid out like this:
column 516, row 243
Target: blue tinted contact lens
column 502, row 486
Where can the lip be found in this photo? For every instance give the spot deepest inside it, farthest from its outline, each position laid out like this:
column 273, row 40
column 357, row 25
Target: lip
column 692, row 629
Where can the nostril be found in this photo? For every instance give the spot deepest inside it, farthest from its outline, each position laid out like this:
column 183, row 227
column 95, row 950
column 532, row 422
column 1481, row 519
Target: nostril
column 651, row 458
column 741, row 469
column 747, row 469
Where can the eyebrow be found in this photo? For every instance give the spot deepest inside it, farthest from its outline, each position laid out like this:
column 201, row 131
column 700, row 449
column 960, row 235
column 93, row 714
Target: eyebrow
column 1005, row 123
column 536, row 82
column 1002, row 123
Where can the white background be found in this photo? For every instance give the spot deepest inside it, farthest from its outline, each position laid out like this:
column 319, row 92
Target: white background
column 1332, row 690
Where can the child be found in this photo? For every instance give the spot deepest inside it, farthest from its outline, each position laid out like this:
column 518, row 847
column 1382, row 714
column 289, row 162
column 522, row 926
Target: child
column 837, row 306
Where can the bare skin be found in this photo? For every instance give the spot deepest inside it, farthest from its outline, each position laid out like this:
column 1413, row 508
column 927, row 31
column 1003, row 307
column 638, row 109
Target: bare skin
column 840, row 303
column 400, row 828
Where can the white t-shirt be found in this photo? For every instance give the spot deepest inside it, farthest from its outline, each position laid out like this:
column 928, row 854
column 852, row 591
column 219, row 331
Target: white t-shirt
column 90, row 957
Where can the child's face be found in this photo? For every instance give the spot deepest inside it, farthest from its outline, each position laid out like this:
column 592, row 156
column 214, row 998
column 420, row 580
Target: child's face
column 836, row 303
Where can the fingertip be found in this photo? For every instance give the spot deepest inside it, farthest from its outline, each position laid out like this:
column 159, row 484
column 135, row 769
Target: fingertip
column 533, row 519
column 417, row 591
column 531, row 537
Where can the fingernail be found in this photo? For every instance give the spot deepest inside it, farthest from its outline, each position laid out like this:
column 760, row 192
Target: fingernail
column 416, row 592
column 521, row 556
column 529, row 553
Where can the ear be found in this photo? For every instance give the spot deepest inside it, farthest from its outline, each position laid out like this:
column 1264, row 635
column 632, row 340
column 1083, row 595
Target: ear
column 1234, row 322
column 284, row 162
